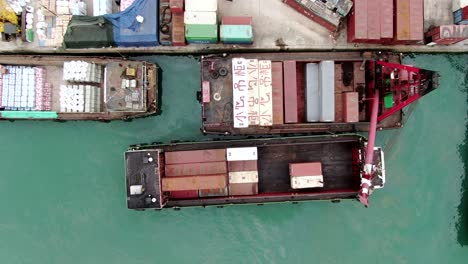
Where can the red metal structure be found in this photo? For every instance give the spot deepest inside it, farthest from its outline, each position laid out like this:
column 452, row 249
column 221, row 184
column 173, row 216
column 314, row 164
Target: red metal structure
column 400, row 85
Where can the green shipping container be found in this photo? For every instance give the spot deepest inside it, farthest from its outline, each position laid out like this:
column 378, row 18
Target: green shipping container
column 202, row 34
column 237, row 34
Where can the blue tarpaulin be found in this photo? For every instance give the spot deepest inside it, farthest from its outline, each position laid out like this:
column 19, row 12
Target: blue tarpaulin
column 128, row 32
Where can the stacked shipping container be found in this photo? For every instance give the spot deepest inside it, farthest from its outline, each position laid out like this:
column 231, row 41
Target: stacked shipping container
column 212, row 172
column 267, row 93
column 200, row 21
column 386, row 22
column 236, row 30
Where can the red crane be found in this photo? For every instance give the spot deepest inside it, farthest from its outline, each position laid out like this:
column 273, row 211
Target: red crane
column 390, row 89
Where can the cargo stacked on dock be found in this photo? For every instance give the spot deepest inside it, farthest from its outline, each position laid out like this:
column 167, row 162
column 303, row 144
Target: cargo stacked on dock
column 327, row 13
column 201, row 25
column 386, row 22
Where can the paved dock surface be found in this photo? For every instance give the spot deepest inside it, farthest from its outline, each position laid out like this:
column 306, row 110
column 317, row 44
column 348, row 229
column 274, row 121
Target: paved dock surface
column 279, row 27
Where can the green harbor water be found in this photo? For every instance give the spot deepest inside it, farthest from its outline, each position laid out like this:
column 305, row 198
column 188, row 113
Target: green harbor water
column 62, row 191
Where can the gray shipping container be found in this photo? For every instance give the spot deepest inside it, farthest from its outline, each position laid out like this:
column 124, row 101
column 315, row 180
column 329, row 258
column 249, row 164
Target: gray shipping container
column 327, row 91
column 312, row 92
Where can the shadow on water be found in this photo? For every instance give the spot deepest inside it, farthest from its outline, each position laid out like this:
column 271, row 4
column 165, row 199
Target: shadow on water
column 462, row 225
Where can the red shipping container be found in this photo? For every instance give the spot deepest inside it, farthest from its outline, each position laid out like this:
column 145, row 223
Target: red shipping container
column 290, row 92
column 300, row 73
column 386, row 19
column 465, row 13
column 373, row 21
column 242, row 165
column 351, row 107
column 183, row 194
column 317, row 19
column 177, row 6
column 402, row 15
column 357, row 21
column 305, row 169
column 191, row 169
column 416, row 20
column 178, row 29
column 213, row 192
column 189, row 183
column 236, row 20
column 195, row 156
column 206, row 92
column 243, row 189
column 277, row 86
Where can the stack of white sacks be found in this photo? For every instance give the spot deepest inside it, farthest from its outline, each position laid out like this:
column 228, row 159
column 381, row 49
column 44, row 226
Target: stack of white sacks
column 82, row 71
column 18, row 88
column 81, row 97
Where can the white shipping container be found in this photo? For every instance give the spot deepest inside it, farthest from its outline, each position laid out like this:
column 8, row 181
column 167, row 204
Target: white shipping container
column 301, row 182
column 312, row 93
column 200, row 18
column 327, row 91
column 265, row 93
column 254, row 98
column 239, row 154
column 240, row 92
column 243, row 177
column 102, row 7
column 201, row 5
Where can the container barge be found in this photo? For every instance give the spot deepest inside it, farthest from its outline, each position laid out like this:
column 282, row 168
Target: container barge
column 76, row 88
column 280, row 93
column 250, row 171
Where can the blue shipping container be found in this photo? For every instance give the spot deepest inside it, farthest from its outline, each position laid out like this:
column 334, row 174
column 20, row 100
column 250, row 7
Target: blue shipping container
column 458, row 16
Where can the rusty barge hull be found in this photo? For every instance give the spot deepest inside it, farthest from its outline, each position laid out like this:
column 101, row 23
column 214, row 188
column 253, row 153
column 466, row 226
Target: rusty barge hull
column 354, row 73
column 111, row 81
column 341, row 159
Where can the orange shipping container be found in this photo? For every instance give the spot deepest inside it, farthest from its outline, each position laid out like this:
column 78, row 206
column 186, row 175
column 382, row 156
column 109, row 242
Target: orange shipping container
column 338, row 108
column 187, row 183
column 243, row 189
column 213, row 192
column 402, row 16
column 277, row 85
column 178, row 29
column 194, row 156
column 242, row 165
column 191, row 169
column 351, row 107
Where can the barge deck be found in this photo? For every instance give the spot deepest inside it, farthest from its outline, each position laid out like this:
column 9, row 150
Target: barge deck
column 340, row 158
